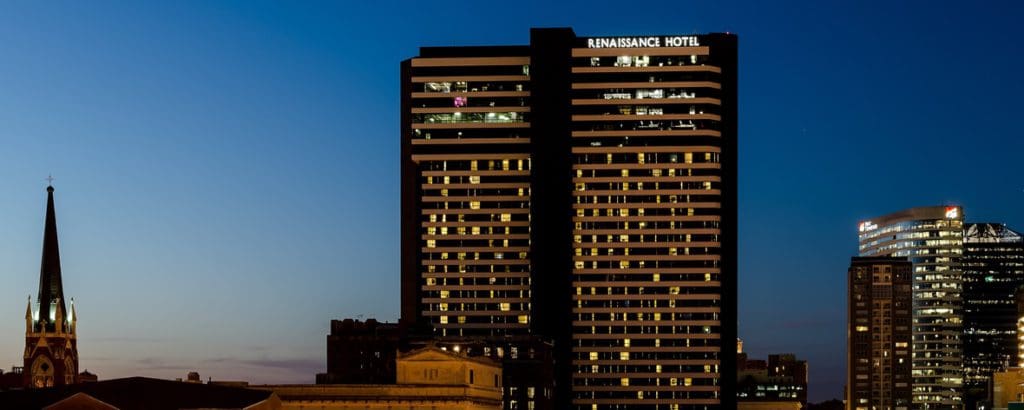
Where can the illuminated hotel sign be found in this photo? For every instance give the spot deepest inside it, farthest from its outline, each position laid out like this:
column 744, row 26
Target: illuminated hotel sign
column 952, row 212
column 867, row 226
column 635, row 42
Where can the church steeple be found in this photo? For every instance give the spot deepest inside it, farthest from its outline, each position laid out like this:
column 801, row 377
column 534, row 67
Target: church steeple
column 51, row 291
column 51, row 340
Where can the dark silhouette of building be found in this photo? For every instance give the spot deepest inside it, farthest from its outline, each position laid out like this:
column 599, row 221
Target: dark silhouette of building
column 879, row 334
column 12, row 380
column 193, row 377
column 993, row 266
column 366, row 352
column 140, row 393
column 87, row 377
column 51, row 339
column 581, row 191
column 782, row 378
column 361, row 352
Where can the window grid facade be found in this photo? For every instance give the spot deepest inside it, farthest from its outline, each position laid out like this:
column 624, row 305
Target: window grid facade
column 469, row 132
column 993, row 265
column 879, row 334
column 590, row 203
column 647, row 208
column 932, row 239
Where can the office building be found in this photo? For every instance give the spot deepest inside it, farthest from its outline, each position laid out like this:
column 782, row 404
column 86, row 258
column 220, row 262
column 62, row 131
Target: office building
column 780, row 381
column 993, row 266
column 51, row 330
column 361, row 352
column 1019, row 296
column 879, row 334
column 583, row 191
column 931, row 238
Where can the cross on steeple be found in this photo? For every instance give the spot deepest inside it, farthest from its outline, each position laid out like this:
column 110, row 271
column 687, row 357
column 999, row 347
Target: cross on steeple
column 49, row 179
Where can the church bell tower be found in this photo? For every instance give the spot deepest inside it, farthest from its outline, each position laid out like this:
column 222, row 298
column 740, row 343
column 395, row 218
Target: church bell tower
column 51, row 345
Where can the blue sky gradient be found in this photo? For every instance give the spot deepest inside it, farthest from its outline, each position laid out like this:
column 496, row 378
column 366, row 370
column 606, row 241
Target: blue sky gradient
column 227, row 172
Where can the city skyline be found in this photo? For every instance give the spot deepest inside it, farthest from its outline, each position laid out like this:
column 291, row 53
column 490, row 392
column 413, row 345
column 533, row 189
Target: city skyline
column 228, row 175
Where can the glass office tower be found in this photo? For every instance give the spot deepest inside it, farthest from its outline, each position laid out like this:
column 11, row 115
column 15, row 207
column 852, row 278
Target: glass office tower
column 932, row 239
column 993, row 265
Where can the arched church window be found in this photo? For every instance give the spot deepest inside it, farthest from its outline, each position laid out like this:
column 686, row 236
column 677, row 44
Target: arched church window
column 42, row 372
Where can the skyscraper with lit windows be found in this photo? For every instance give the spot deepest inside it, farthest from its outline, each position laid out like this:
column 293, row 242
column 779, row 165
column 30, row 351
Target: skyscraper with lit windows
column 878, row 333
column 932, row 239
column 993, row 266
column 582, row 190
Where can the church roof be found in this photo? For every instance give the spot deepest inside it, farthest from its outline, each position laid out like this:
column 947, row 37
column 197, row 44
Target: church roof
column 141, row 393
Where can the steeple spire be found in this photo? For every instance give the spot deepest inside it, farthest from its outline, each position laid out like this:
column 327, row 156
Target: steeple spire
column 51, row 342
column 51, row 291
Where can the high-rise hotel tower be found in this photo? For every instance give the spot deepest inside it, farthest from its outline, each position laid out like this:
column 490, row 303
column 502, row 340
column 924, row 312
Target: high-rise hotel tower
column 932, row 239
column 582, row 190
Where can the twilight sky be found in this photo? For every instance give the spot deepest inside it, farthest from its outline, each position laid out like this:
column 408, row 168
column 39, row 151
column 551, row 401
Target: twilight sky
column 227, row 173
